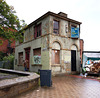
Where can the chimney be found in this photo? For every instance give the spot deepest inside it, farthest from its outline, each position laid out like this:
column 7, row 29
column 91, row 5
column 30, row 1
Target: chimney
column 62, row 14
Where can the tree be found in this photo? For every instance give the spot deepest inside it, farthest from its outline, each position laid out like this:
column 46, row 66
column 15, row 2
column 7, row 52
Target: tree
column 10, row 25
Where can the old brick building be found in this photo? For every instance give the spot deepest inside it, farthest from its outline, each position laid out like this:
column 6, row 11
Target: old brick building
column 50, row 42
column 7, row 47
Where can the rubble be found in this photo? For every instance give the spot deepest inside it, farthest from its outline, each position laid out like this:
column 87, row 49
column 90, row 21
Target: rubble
column 98, row 78
column 93, row 66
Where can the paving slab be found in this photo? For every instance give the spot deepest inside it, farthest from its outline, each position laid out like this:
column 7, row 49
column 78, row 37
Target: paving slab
column 66, row 86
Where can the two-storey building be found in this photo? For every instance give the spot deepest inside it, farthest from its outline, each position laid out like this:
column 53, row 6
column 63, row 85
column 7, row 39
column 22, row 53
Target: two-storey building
column 50, row 42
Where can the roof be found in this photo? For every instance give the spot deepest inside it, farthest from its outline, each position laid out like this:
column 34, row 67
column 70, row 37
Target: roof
column 55, row 15
column 92, row 54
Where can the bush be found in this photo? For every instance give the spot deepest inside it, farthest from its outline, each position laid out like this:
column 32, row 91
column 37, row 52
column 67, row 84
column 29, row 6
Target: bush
column 8, row 62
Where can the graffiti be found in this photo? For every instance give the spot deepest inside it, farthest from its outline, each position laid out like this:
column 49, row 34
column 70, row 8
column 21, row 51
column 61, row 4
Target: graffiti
column 37, row 59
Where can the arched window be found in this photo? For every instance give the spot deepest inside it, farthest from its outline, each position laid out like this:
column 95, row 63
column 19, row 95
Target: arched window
column 55, row 56
column 55, row 53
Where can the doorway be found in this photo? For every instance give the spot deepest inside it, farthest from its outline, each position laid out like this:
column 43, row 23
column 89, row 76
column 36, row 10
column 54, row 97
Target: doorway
column 27, row 56
column 73, row 60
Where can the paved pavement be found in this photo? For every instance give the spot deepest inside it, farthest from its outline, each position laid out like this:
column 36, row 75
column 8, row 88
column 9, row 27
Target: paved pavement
column 66, row 87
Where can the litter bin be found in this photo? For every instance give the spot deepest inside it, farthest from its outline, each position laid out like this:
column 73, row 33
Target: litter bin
column 45, row 78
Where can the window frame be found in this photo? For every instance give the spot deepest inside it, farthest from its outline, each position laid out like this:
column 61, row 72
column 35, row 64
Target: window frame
column 73, row 25
column 37, row 30
column 55, row 58
column 35, row 50
column 55, row 27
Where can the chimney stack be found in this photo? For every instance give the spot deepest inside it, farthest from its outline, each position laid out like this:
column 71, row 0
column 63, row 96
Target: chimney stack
column 62, row 14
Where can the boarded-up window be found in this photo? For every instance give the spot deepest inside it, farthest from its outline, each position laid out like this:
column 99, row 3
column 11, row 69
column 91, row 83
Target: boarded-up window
column 55, row 57
column 37, row 56
column 55, row 27
column 20, row 58
column 37, row 51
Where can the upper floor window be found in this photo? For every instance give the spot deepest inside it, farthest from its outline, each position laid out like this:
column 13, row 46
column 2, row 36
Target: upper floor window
column 37, row 31
column 74, row 26
column 55, row 27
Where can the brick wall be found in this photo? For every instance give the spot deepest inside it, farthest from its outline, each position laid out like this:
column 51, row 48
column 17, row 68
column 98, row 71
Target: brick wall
column 81, row 48
column 4, row 48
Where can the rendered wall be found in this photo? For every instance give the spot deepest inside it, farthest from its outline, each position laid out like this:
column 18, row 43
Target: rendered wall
column 63, row 42
column 40, row 42
column 66, row 45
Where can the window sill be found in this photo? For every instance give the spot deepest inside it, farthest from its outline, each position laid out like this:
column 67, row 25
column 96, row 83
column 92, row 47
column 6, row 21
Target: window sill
column 56, row 34
column 38, row 37
column 74, row 37
column 56, row 65
column 36, row 64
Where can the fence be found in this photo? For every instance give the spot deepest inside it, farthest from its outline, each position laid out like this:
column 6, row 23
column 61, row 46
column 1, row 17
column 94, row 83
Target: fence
column 6, row 65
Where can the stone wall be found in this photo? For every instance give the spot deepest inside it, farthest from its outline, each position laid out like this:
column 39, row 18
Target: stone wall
column 15, row 86
column 17, row 89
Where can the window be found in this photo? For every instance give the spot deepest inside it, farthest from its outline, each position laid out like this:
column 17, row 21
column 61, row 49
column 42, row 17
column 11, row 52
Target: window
column 66, row 28
column 74, row 26
column 20, row 58
column 37, row 31
column 55, row 56
column 37, row 56
column 55, row 27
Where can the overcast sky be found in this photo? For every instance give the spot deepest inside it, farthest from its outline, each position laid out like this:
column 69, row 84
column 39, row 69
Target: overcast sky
column 85, row 11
